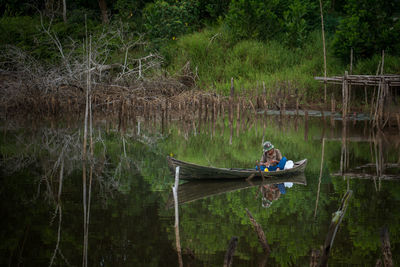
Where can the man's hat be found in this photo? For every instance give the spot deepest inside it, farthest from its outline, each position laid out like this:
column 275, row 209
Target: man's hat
column 267, row 146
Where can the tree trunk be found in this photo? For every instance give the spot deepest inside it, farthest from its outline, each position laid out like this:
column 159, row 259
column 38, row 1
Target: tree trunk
column 103, row 8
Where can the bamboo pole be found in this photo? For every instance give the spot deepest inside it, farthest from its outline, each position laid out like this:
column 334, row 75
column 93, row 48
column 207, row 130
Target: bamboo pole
column 344, row 95
column 91, row 147
column 238, row 119
column 214, row 116
column 231, row 110
column 228, row 260
column 306, row 125
column 59, row 210
column 349, row 84
column 178, row 240
column 84, row 155
column 323, row 44
column 373, row 101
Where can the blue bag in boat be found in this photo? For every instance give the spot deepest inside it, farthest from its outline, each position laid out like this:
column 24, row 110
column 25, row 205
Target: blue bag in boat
column 280, row 165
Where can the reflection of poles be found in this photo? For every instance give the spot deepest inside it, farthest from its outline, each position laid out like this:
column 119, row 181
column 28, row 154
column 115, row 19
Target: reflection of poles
column 379, row 165
column 343, row 154
column 315, row 255
column 335, row 223
column 378, row 158
column 386, row 251
column 320, row 176
column 230, row 251
column 178, row 240
column 84, row 159
column 58, row 209
column 90, row 177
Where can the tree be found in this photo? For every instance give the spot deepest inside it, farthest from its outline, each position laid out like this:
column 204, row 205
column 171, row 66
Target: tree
column 104, row 11
column 368, row 27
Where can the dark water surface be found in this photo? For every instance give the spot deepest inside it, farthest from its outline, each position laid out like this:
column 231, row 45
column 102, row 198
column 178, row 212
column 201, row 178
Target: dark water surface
column 131, row 209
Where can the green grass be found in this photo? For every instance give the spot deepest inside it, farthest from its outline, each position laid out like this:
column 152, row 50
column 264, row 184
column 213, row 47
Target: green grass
column 250, row 62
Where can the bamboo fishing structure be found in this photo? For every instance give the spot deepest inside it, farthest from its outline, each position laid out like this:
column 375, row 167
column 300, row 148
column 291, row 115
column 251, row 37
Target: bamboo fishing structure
column 380, row 104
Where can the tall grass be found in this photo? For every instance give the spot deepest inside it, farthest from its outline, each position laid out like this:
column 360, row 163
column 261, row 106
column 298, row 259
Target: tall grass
column 217, row 58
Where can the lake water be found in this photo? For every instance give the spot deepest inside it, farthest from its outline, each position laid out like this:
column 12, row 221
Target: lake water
column 131, row 210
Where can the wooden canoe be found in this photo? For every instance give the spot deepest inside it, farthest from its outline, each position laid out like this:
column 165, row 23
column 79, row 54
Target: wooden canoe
column 190, row 171
column 201, row 189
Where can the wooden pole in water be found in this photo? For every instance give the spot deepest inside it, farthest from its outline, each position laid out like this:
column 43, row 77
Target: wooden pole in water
column 366, row 95
column 231, row 110
column 386, row 250
column 84, row 155
column 161, row 108
column 260, row 233
column 306, row 125
column 264, row 97
column 332, row 110
column 335, row 223
column 373, row 101
column 349, row 84
column 237, row 118
column 230, row 251
column 215, row 114
column 205, row 109
column 178, row 240
column 265, row 110
column 200, row 116
column 345, row 95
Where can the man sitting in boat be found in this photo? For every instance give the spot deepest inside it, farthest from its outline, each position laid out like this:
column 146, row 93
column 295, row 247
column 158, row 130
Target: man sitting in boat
column 271, row 158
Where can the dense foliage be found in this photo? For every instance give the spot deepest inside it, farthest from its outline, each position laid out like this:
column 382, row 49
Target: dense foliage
column 366, row 26
column 253, row 41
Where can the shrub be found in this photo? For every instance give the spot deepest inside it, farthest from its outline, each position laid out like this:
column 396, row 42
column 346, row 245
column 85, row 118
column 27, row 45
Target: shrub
column 253, row 19
column 165, row 20
column 368, row 28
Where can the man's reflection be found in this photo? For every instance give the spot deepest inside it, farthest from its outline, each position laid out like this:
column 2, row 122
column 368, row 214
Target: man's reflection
column 271, row 192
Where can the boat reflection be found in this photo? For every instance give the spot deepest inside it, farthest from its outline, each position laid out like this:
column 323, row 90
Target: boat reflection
column 195, row 190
